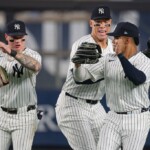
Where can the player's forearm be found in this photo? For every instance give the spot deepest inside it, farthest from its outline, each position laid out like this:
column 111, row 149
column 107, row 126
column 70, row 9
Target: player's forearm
column 81, row 74
column 28, row 62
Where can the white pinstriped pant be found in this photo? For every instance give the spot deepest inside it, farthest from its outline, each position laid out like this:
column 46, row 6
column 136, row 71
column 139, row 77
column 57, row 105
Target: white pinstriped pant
column 17, row 128
column 79, row 121
column 129, row 130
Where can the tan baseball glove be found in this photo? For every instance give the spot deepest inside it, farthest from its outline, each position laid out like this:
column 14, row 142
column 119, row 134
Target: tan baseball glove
column 3, row 77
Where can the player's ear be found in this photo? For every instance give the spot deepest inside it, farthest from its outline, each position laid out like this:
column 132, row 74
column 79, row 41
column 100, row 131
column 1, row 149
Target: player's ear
column 127, row 40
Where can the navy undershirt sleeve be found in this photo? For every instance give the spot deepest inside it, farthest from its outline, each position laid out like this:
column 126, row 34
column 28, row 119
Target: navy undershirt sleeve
column 136, row 76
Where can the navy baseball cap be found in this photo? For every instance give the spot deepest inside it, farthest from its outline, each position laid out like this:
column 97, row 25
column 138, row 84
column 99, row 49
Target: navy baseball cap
column 125, row 29
column 101, row 12
column 16, row 28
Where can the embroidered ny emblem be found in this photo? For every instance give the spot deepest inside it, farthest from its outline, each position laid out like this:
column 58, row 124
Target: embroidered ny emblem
column 17, row 26
column 101, row 11
column 18, row 71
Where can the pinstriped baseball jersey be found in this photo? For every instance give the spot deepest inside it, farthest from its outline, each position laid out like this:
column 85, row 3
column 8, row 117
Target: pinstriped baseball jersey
column 82, row 90
column 21, row 89
column 126, row 96
column 80, row 121
column 128, row 130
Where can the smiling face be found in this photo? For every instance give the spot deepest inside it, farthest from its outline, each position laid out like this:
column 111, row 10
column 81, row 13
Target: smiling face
column 16, row 43
column 100, row 28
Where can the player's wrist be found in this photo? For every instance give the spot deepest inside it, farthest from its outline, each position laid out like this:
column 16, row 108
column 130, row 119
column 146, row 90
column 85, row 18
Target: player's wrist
column 13, row 53
column 77, row 65
column 120, row 55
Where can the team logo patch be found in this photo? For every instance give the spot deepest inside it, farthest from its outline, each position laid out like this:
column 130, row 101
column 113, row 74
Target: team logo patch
column 17, row 26
column 18, row 71
column 101, row 11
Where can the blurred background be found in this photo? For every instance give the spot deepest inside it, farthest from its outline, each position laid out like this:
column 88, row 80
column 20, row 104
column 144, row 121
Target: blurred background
column 53, row 26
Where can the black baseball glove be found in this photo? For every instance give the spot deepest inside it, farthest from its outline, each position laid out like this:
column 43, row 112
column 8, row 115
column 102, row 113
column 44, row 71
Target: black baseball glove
column 87, row 53
column 147, row 51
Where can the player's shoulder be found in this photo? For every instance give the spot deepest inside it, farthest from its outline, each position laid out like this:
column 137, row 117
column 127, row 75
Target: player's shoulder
column 2, row 54
column 30, row 51
column 143, row 57
column 140, row 60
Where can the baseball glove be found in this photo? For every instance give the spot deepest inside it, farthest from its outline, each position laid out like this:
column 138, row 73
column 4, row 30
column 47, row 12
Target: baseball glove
column 147, row 51
column 87, row 53
column 3, row 77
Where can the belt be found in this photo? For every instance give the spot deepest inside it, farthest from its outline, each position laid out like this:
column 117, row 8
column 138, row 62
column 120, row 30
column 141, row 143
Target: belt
column 15, row 110
column 134, row 111
column 87, row 100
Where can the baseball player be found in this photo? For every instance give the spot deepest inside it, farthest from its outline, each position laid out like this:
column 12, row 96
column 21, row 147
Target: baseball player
column 127, row 80
column 18, row 99
column 78, row 111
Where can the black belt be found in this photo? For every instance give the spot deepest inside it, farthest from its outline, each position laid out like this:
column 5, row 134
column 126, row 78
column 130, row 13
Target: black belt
column 15, row 110
column 87, row 100
column 132, row 112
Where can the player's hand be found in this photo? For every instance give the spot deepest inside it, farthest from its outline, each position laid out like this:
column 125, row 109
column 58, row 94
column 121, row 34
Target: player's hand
column 117, row 49
column 116, row 46
column 5, row 48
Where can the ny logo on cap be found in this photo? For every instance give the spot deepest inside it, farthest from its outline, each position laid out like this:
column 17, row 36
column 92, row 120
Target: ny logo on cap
column 101, row 11
column 17, row 26
column 125, row 32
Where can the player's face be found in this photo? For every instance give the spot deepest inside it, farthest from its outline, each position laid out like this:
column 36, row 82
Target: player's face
column 16, row 42
column 119, row 44
column 100, row 28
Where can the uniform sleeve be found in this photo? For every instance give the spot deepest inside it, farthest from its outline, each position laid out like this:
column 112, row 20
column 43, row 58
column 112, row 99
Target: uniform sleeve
column 146, row 69
column 81, row 74
column 94, row 72
column 134, row 75
column 36, row 56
